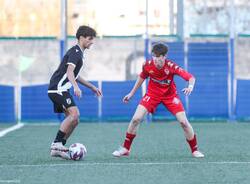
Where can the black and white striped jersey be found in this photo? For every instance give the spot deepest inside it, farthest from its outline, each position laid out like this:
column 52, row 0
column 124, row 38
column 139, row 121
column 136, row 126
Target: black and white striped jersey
column 59, row 81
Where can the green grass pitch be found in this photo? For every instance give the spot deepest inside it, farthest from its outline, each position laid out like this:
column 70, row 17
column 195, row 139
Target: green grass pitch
column 159, row 155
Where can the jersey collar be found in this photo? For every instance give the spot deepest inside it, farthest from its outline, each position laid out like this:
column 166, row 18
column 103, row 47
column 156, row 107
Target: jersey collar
column 80, row 48
column 161, row 67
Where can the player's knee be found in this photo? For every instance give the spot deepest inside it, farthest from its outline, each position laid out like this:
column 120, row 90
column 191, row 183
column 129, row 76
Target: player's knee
column 184, row 124
column 136, row 121
column 75, row 117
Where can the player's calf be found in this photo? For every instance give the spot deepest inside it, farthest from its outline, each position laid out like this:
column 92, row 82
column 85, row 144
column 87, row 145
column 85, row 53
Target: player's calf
column 75, row 123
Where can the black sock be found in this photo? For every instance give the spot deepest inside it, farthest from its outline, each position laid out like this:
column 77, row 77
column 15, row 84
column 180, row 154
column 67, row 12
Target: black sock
column 59, row 136
column 64, row 141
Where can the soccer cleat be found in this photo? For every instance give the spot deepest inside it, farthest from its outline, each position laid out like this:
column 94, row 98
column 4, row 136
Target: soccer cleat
column 57, row 146
column 121, row 152
column 197, row 154
column 58, row 150
column 62, row 154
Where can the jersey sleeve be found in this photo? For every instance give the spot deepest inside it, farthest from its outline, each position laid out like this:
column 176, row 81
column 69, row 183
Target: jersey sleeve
column 144, row 74
column 179, row 71
column 73, row 59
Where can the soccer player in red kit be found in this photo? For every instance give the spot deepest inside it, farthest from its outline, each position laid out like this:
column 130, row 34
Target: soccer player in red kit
column 161, row 89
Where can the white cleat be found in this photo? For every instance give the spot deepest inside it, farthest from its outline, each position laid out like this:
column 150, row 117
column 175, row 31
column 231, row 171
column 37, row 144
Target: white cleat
column 197, row 154
column 58, row 146
column 58, row 150
column 121, row 152
column 62, row 154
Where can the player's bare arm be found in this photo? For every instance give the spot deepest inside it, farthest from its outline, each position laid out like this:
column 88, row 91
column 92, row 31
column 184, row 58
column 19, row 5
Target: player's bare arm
column 138, row 84
column 188, row 90
column 71, row 77
column 90, row 86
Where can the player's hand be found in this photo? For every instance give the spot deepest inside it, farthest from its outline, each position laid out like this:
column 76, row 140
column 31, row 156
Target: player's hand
column 77, row 92
column 97, row 91
column 187, row 91
column 127, row 98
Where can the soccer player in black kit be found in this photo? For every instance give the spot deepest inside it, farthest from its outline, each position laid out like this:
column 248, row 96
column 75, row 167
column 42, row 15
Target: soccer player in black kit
column 66, row 76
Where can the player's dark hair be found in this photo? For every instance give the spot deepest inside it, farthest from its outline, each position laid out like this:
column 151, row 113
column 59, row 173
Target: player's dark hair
column 85, row 31
column 159, row 49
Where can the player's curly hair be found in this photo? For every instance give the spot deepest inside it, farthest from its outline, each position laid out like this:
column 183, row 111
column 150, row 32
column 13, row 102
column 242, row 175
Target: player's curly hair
column 159, row 49
column 85, row 31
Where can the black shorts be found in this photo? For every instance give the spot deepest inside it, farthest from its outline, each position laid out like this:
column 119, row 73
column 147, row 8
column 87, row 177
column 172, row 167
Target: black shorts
column 61, row 102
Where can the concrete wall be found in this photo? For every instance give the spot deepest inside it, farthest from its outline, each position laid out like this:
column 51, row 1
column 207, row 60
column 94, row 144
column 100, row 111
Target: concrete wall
column 105, row 60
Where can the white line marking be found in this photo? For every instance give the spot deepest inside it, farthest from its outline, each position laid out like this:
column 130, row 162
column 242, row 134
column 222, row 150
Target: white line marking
column 41, row 124
column 10, row 181
column 126, row 164
column 10, row 129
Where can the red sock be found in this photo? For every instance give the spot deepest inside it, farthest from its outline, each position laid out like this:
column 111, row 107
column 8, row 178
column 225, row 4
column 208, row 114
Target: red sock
column 193, row 144
column 128, row 140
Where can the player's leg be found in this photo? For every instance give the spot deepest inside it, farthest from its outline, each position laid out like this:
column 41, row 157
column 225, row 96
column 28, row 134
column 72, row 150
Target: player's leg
column 136, row 119
column 131, row 131
column 73, row 112
column 189, row 133
column 64, row 141
column 133, row 126
column 57, row 148
column 174, row 105
column 67, row 126
column 61, row 103
column 69, row 123
column 147, row 104
column 186, row 126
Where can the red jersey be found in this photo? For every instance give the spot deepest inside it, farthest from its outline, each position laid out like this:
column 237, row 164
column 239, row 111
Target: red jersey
column 161, row 83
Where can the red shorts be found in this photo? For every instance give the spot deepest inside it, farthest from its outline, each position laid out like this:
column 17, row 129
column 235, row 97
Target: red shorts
column 173, row 103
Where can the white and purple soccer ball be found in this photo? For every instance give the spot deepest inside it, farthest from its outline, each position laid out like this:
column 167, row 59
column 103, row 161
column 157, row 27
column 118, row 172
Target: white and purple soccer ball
column 77, row 151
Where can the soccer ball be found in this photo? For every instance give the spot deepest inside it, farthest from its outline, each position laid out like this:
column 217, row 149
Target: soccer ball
column 77, row 151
